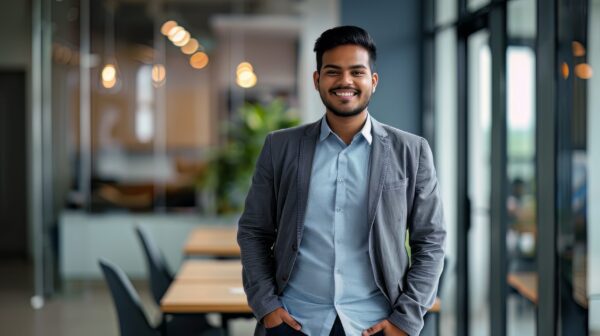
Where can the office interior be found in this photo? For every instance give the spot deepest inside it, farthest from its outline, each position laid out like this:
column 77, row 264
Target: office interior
column 117, row 115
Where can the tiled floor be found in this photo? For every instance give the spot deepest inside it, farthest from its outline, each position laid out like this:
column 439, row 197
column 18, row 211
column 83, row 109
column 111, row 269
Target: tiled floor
column 82, row 308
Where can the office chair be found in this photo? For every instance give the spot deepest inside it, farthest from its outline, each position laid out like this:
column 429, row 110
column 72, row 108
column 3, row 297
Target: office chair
column 160, row 279
column 132, row 320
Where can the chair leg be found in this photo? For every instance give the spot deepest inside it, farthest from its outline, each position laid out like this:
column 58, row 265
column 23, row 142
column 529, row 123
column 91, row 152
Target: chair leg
column 225, row 324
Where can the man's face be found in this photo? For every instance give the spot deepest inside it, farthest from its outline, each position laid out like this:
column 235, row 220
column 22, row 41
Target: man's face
column 345, row 82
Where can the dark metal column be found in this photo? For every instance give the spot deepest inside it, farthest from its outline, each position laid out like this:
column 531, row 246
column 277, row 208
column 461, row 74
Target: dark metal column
column 498, row 216
column 463, row 212
column 546, row 116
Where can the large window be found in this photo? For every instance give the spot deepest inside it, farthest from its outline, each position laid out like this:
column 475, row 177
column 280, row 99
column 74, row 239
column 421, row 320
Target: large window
column 487, row 136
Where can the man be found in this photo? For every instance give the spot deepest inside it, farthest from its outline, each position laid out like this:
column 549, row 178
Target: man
column 323, row 231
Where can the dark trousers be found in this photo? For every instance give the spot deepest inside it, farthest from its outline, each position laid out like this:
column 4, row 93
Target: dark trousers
column 285, row 330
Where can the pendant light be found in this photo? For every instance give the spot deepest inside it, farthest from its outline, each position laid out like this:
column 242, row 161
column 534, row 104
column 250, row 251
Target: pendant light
column 110, row 75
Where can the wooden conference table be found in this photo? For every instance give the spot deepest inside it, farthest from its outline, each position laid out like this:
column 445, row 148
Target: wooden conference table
column 213, row 286
column 218, row 241
column 209, row 286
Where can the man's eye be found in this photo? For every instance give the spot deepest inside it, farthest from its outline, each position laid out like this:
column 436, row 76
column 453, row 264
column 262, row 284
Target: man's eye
column 333, row 73
column 357, row 73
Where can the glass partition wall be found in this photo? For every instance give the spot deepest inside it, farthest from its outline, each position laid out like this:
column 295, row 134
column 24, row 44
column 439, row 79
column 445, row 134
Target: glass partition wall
column 511, row 122
column 142, row 93
column 577, row 151
column 152, row 107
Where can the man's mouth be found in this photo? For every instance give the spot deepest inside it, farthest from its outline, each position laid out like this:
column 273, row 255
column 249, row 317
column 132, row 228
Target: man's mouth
column 345, row 93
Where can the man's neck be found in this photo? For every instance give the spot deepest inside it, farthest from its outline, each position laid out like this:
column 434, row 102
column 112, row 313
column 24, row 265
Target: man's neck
column 346, row 127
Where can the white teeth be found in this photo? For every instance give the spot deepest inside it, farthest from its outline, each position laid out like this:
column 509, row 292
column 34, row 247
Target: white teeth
column 345, row 94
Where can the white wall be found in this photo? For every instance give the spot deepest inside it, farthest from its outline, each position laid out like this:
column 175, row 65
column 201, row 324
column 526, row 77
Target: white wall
column 317, row 16
column 84, row 238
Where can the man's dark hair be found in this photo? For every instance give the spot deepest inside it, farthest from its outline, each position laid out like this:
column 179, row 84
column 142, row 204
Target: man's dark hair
column 344, row 35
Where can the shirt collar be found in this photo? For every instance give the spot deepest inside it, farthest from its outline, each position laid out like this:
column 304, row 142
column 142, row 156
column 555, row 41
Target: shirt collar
column 365, row 131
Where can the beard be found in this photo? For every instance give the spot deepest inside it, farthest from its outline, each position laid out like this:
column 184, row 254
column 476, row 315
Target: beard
column 344, row 113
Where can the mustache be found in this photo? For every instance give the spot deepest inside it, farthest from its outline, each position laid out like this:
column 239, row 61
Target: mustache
column 345, row 88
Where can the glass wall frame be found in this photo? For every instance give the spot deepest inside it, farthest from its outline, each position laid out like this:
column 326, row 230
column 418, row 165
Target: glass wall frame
column 563, row 85
column 493, row 16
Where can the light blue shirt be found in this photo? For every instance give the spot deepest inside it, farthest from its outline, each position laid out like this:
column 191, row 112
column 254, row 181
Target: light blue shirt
column 332, row 274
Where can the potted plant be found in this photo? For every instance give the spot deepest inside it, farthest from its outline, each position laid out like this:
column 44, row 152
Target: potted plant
column 229, row 171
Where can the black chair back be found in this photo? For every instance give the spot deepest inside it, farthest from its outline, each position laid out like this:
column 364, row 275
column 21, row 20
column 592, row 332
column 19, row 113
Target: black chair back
column 160, row 280
column 160, row 275
column 132, row 320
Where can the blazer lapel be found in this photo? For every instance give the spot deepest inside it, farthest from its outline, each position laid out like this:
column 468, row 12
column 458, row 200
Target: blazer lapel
column 305, row 160
column 378, row 167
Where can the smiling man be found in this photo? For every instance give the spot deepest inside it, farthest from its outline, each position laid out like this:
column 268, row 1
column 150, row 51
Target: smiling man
column 322, row 234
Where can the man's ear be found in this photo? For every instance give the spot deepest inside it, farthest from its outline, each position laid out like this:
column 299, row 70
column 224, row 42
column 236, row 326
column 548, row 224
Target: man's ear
column 375, row 80
column 316, row 80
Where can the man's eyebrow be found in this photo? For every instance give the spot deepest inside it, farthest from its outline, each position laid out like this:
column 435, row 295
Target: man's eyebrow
column 337, row 67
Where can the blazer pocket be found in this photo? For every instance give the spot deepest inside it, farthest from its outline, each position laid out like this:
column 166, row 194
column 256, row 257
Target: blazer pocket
column 393, row 201
column 393, row 185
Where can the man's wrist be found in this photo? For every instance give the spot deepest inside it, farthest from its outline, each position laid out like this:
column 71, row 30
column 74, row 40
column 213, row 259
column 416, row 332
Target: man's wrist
column 262, row 310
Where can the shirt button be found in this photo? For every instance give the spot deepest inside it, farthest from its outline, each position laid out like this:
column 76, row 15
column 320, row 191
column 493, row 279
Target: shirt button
column 341, row 180
column 338, row 209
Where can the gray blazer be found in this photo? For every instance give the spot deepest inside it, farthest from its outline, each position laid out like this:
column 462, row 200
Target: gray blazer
column 403, row 194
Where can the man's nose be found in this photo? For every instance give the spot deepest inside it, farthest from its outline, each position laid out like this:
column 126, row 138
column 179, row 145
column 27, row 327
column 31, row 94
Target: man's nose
column 346, row 78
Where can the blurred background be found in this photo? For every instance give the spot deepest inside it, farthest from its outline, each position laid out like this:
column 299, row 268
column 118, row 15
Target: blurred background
column 117, row 115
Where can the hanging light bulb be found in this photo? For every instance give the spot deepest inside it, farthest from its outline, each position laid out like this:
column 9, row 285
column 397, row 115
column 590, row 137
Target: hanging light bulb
column 180, row 42
column 199, row 60
column 110, row 71
column 190, row 47
column 109, row 84
column 245, row 76
column 578, row 49
column 565, row 70
column 109, row 76
column 584, row 71
column 247, row 80
column 167, row 26
column 244, row 66
column 158, row 75
column 173, row 31
column 176, row 33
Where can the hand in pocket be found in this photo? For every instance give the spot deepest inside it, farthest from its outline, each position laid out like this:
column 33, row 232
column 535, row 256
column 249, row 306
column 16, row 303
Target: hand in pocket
column 279, row 316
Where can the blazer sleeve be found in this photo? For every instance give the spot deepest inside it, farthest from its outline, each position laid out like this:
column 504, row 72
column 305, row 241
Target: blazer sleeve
column 427, row 238
column 256, row 236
